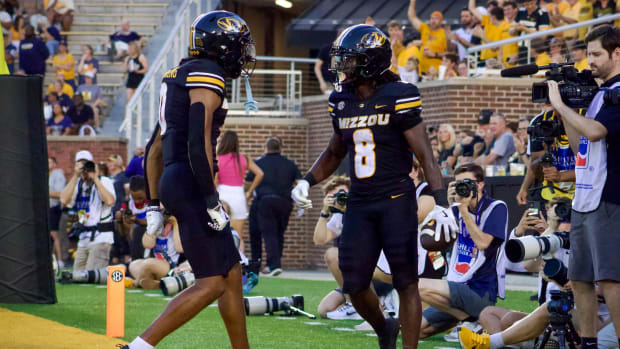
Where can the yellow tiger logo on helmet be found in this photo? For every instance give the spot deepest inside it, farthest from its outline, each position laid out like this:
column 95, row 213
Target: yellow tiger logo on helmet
column 231, row 24
column 373, row 40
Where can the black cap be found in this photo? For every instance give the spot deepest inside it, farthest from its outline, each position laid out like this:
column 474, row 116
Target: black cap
column 485, row 117
column 579, row 45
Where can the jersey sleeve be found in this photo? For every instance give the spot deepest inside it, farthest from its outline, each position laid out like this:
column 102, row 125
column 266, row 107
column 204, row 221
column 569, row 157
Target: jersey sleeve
column 407, row 107
column 331, row 108
column 206, row 76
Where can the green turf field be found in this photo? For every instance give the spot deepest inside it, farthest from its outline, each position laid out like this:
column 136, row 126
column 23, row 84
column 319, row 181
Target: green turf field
column 83, row 306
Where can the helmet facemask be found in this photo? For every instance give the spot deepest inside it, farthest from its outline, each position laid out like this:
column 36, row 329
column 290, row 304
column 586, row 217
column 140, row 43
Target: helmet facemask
column 348, row 66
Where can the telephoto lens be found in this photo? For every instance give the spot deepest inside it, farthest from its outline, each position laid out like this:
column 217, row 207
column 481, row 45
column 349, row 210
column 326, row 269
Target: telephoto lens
column 529, row 247
column 563, row 210
column 262, row 305
column 556, row 270
column 172, row 285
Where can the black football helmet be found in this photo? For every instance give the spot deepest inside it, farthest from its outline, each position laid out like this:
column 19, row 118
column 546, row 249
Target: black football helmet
column 224, row 37
column 360, row 52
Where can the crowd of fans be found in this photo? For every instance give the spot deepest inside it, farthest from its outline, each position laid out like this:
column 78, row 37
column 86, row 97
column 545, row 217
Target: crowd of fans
column 33, row 41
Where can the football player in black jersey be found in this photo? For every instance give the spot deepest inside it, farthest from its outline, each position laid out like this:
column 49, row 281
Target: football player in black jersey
column 180, row 167
column 376, row 119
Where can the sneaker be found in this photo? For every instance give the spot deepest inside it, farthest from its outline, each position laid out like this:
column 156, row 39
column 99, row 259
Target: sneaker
column 272, row 272
column 453, row 336
column 390, row 335
column 250, row 283
column 472, row 340
column 345, row 312
column 391, row 303
column 364, row 326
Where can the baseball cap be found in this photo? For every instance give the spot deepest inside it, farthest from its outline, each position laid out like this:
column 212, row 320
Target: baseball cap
column 83, row 155
column 63, row 42
column 485, row 117
column 89, row 74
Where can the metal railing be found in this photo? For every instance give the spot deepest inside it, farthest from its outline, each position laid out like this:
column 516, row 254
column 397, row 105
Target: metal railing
column 474, row 52
column 144, row 102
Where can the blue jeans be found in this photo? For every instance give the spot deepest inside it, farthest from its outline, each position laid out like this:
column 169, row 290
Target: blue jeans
column 52, row 46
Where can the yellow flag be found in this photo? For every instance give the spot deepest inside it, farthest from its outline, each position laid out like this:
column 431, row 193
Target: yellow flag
column 4, row 70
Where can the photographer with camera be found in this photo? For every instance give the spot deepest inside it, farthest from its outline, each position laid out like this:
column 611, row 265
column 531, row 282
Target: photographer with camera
column 475, row 274
column 131, row 221
column 92, row 197
column 595, row 139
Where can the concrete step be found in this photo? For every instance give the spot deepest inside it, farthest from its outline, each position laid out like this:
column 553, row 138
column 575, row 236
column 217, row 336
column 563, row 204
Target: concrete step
column 126, row 9
column 134, row 18
column 102, row 78
column 112, row 26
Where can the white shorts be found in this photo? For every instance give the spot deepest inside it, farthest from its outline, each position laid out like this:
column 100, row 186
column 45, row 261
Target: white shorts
column 234, row 196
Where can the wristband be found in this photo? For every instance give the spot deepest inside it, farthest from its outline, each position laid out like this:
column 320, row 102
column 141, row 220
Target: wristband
column 310, row 178
column 324, row 215
column 441, row 197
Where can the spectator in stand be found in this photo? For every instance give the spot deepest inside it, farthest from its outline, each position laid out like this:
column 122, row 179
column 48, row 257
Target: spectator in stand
column 136, row 66
column 17, row 30
column 503, row 143
column 59, row 124
column 448, row 66
column 470, row 147
column 65, row 101
column 32, row 53
column 556, row 7
column 569, row 16
column 88, row 64
column 60, row 11
column 558, row 50
column 494, row 25
column 57, row 183
column 119, row 180
column 447, row 143
column 400, row 53
column 510, row 11
column 463, row 37
column 6, row 20
column 484, row 128
column 606, row 7
column 539, row 52
column 92, row 95
column 136, row 167
column 61, row 87
column 64, row 63
column 579, row 55
column 118, row 43
column 586, row 14
column 80, row 113
column 461, row 69
column 232, row 168
column 434, row 42
column 321, row 69
column 435, row 147
column 50, row 35
column 530, row 18
column 10, row 52
column 410, row 72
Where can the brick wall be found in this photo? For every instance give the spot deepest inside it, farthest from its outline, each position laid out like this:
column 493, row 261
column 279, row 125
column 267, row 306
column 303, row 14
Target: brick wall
column 64, row 148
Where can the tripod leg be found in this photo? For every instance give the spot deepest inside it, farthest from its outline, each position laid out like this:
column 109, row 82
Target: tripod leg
column 560, row 333
column 543, row 342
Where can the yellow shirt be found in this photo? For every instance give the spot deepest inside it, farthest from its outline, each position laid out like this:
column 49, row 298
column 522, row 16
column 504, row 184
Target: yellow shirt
column 435, row 40
column 4, row 69
column 66, row 89
column 582, row 64
column 412, row 51
column 585, row 13
column 397, row 48
column 69, row 73
column 543, row 59
column 572, row 12
column 15, row 35
column 510, row 49
column 562, row 6
column 495, row 33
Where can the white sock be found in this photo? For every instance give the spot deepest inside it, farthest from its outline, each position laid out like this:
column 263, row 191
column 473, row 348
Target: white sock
column 140, row 343
column 496, row 341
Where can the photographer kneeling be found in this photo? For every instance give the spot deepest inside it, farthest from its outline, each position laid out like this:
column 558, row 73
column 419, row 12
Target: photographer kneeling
column 508, row 327
column 92, row 196
column 595, row 138
column 475, row 271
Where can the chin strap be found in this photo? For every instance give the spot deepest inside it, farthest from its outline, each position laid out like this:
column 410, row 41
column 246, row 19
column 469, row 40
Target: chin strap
column 250, row 105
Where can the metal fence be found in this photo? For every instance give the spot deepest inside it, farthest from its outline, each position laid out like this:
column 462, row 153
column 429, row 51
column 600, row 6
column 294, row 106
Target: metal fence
column 527, row 54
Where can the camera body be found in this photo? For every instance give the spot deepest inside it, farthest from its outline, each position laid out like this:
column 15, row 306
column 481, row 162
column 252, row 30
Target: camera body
column 88, row 166
column 528, row 247
column 466, row 187
column 561, row 302
column 341, row 197
column 577, row 89
column 563, row 211
column 546, row 130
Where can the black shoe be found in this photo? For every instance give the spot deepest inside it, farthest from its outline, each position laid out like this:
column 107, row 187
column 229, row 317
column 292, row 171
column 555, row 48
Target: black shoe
column 390, row 334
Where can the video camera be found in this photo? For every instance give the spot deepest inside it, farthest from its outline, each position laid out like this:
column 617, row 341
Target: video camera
column 561, row 302
column 528, row 247
column 577, row 89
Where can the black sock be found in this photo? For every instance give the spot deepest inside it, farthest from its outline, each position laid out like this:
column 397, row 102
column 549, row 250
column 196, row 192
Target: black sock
column 588, row 343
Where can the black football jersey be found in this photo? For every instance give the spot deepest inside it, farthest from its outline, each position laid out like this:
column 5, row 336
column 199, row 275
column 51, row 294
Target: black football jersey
column 174, row 105
column 379, row 156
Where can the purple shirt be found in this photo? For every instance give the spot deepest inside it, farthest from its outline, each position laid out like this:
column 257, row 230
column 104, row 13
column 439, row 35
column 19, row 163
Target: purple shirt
column 135, row 167
column 58, row 129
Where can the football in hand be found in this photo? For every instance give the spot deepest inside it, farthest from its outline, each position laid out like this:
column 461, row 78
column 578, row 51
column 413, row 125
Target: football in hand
column 427, row 237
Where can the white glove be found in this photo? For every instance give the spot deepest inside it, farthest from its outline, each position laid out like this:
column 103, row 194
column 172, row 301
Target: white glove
column 154, row 221
column 445, row 221
column 300, row 195
column 219, row 217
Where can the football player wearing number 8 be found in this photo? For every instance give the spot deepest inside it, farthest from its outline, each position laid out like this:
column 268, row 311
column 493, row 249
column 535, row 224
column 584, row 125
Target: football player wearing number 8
column 376, row 119
column 180, row 167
